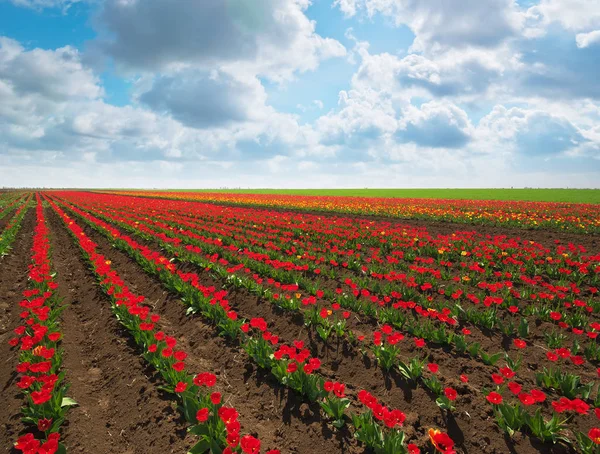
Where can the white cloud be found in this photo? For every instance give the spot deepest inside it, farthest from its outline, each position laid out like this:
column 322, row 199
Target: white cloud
column 54, row 74
column 42, row 4
column 574, row 15
column 588, row 39
column 440, row 24
column 531, row 132
column 436, row 125
column 273, row 38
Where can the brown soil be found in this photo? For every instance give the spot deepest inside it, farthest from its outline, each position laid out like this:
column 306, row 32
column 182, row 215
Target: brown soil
column 120, row 407
column 473, row 427
column 13, row 280
column 278, row 417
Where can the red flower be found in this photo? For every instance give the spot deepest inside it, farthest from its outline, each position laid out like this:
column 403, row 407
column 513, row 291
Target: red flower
column 507, row 372
column 28, row 444
column 519, row 343
column 215, row 398
column 54, row 336
column 181, row 387
column 577, row 360
column 497, row 379
column 450, row 393
column 594, row 435
column 205, row 379
column 494, row 398
column 250, row 445
column 514, row 387
column 178, row 366
column 180, row 355
column 433, row 368
column 441, row 441
column 464, row 378
column 413, row 449
column 202, row 415
column 466, row 331
column 538, row 395
column 419, row 343
column 292, row 367
column 526, row 399
column 39, row 397
column 228, row 414
column 552, row 356
column 44, row 424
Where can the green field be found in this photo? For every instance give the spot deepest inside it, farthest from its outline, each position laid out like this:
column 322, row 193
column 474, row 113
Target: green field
column 536, row 195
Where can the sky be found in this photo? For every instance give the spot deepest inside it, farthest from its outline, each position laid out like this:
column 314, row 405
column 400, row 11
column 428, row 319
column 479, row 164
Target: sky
column 299, row 93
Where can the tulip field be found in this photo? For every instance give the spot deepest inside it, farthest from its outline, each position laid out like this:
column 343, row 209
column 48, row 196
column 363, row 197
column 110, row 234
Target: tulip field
column 190, row 322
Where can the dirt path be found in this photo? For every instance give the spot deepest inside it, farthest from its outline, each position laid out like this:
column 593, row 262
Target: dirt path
column 120, row 409
column 279, row 418
column 13, row 280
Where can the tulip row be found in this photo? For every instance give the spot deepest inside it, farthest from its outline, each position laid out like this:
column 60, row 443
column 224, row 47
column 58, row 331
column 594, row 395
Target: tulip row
column 386, row 353
column 40, row 356
column 413, row 371
column 487, row 319
column 290, row 364
column 10, row 231
column 215, row 424
column 562, row 216
column 166, row 238
column 8, row 205
column 423, row 292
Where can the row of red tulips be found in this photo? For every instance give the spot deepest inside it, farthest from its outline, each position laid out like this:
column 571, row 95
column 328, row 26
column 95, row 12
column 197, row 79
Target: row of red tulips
column 296, row 370
column 216, row 425
column 470, row 289
column 562, row 216
column 532, row 392
column 40, row 356
column 7, row 237
column 273, row 297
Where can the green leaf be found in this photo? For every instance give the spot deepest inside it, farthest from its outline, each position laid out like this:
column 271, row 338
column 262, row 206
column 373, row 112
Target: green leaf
column 68, row 402
column 200, row 448
column 200, row 430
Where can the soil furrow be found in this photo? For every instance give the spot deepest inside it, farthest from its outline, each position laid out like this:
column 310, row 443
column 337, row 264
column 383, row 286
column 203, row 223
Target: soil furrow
column 120, row 407
column 470, row 431
column 13, row 280
column 278, row 417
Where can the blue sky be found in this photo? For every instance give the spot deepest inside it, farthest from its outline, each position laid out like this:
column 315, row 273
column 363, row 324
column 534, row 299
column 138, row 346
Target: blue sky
column 300, row 93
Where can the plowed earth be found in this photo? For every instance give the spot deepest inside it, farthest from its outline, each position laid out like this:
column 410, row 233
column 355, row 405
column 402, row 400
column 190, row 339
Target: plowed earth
column 122, row 410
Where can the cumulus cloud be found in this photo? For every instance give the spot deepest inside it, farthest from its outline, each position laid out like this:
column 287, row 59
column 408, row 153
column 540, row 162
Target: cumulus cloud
column 487, row 91
column 531, row 132
column 56, row 74
column 436, row 125
column 271, row 37
column 51, row 106
column 206, row 99
column 440, row 24
column 573, row 15
column 584, row 40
